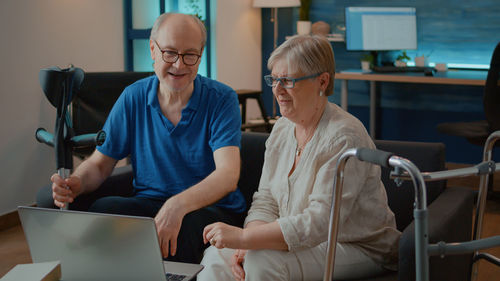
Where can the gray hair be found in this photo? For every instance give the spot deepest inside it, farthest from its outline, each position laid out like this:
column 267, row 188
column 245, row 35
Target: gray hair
column 307, row 54
column 164, row 16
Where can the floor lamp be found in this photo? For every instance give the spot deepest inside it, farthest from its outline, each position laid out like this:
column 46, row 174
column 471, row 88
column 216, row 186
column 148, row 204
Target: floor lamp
column 275, row 4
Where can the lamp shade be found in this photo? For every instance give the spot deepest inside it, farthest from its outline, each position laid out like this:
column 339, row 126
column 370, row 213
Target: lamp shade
column 276, row 3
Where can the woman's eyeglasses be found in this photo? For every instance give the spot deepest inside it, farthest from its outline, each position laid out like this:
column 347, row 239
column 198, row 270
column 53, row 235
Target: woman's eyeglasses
column 286, row 82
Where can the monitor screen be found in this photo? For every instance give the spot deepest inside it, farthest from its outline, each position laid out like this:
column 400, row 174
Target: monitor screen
column 381, row 28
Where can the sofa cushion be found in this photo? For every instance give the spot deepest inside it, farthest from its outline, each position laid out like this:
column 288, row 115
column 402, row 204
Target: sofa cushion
column 253, row 146
column 427, row 157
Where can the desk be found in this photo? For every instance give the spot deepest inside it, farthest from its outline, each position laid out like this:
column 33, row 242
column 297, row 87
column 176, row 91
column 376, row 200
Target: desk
column 450, row 77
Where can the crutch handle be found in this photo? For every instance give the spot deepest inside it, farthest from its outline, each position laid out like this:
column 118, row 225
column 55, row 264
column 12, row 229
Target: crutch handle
column 43, row 136
column 89, row 139
column 64, row 173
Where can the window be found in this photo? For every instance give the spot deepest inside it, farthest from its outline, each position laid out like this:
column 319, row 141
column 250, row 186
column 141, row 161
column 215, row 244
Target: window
column 139, row 16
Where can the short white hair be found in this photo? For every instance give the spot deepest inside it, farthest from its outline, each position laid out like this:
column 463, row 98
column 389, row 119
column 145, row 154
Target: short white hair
column 307, row 54
column 164, row 16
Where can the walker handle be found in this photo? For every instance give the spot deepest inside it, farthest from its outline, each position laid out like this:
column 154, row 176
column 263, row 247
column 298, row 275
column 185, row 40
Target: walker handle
column 374, row 156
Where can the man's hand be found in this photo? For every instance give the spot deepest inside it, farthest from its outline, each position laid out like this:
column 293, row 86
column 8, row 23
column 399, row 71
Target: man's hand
column 168, row 224
column 222, row 235
column 237, row 264
column 64, row 191
column 86, row 178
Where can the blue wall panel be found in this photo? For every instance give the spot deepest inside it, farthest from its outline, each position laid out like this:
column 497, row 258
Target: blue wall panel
column 452, row 31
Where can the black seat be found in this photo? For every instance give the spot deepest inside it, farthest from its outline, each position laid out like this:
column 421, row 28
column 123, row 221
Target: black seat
column 477, row 132
column 243, row 96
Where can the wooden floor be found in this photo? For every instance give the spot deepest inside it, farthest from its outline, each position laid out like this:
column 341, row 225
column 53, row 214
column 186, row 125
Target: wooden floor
column 14, row 249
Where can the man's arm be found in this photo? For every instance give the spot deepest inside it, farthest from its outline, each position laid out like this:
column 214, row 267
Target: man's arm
column 216, row 185
column 94, row 171
column 219, row 183
column 87, row 177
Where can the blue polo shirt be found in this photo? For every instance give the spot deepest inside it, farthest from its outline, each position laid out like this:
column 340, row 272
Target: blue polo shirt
column 168, row 159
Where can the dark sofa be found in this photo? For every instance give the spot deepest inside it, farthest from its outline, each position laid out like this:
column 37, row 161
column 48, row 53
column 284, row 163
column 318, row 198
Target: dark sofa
column 450, row 210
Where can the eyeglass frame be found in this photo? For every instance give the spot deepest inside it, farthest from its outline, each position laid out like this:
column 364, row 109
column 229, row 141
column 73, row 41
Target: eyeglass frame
column 177, row 55
column 279, row 80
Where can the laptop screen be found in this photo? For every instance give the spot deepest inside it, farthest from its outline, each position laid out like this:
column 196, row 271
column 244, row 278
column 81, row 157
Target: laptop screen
column 94, row 246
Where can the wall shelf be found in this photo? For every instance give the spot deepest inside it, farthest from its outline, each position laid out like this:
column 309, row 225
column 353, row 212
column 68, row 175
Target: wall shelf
column 330, row 37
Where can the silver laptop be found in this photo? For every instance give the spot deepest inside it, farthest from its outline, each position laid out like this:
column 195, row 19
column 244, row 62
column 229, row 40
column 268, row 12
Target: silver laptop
column 103, row 247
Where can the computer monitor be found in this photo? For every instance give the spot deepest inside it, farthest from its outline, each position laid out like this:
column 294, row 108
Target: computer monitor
column 381, row 28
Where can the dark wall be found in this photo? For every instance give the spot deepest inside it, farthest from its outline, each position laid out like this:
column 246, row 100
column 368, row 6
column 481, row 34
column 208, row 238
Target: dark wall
column 452, row 31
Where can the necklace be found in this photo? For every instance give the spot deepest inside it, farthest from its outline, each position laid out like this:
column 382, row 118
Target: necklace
column 298, row 151
column 300, row 148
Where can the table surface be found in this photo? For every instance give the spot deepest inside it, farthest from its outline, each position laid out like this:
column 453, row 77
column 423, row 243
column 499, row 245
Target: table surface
column 452, row 77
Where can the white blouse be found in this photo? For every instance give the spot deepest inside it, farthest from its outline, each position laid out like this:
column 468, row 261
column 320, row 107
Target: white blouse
column 301, row 203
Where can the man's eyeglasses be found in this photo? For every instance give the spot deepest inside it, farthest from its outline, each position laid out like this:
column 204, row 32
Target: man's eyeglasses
column 172, row 56
column 286, row 82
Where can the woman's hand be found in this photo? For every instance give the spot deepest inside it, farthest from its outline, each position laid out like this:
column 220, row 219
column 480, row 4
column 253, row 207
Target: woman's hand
column 222, row 235
column 237, row 264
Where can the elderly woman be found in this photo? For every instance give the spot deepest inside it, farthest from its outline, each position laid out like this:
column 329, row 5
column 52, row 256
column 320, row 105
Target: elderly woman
column 286, row 230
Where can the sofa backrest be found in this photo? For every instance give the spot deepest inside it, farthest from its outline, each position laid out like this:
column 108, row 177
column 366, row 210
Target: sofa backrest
column 253, row 146
column 96, row 97
column 426, row 156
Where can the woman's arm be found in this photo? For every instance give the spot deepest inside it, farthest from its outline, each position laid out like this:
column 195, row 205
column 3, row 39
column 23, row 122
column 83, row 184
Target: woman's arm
column 255, row 235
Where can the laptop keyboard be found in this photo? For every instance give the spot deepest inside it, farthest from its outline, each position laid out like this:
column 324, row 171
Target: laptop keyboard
column 175, row 277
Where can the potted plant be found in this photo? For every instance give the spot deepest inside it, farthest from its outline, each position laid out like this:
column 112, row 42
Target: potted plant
column 367, row 61
column 304, row 24
column 401, row 59
column 195, row 9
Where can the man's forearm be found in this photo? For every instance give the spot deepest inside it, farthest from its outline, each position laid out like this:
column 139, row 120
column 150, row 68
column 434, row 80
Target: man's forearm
column 214, row 187
column 93, row 171
column 218, row 184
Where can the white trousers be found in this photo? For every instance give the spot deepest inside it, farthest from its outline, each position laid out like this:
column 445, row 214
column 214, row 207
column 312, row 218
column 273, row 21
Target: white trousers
column 309, row 264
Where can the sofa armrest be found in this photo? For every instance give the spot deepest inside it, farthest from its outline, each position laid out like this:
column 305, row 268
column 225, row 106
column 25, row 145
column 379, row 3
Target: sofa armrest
column 449, row 220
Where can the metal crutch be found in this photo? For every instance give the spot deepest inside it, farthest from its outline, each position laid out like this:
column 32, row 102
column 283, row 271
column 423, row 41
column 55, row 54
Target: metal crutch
column 59, row 86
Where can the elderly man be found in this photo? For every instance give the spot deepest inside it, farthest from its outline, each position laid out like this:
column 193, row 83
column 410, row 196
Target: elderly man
column 182, row 132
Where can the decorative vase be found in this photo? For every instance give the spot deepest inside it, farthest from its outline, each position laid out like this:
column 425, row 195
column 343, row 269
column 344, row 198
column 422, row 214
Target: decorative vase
column 365, row 65
column 320, row 28
column 421, row 61
column 303, row 27
column 400, row 63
